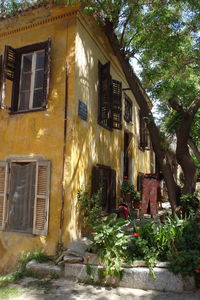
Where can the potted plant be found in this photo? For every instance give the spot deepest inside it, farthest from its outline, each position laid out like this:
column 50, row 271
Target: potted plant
column 129, row 194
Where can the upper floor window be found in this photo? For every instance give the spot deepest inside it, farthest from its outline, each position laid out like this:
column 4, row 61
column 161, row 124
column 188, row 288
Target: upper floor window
column 110, row 99
column 144, row 139
column 28, row 68
column 128, row 109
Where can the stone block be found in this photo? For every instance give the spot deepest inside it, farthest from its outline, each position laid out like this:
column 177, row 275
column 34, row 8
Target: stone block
column 44, row 268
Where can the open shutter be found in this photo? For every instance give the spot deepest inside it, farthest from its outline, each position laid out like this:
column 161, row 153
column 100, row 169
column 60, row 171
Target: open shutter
column 41, row 206
column 105, row 84
column 46, row 72
column 3, row 189
column 8, row 70
column 116, row 104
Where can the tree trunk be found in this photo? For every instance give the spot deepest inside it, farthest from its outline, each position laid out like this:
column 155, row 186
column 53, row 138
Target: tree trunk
column 183, row 155
column 141, row 99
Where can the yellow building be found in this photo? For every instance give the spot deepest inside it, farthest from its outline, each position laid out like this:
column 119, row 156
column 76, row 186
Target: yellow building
column 67, row 115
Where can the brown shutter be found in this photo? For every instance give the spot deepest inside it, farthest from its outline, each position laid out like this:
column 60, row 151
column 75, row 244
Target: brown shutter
column 3, row 189
column 112, row 204
column 142, row 132
column 9, row 62
column 41, row 207
column 8, row 71
column 46, row 72
column 96, row 184
column 116, row 104
column 105, row 84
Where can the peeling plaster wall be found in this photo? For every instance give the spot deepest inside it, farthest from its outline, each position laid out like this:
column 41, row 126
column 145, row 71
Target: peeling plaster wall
column 79, row 45
column 39, row 133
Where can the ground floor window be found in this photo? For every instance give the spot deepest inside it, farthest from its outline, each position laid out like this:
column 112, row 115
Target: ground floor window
column 24, row 196
column 104, row 178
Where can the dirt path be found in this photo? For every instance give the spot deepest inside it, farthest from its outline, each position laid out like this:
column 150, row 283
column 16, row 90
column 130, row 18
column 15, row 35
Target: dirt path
column 62, row 289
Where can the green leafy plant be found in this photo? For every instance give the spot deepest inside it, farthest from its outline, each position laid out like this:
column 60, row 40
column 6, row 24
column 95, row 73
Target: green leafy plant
column 189, row 204
column 128, row 187
column 89, row 206
column 184, row 257
column 110, row 244
column 36, row 254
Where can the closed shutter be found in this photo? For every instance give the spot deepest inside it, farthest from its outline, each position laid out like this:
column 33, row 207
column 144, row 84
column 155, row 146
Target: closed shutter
column 105, row 94
column 46, row 72
column 3, row 188
column 142, row 132
column 112, row 204
column 96, row 183
column 41, row 207
column 116, row 104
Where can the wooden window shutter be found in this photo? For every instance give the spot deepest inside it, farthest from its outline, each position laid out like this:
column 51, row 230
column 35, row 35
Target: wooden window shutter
column 1, row 70
column 8, row 70
column 112, row 204
column 3, row 189
column 96, row 184
column 46, row 72
column 142, row 132
column 104, row 106
column 41, row 206
column 116, row 104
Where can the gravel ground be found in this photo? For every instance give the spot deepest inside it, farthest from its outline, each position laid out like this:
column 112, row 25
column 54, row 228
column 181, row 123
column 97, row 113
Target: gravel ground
column 62, row 289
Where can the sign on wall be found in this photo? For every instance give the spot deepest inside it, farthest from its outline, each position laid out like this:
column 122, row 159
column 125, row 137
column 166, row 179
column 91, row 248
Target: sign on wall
column 82, row 110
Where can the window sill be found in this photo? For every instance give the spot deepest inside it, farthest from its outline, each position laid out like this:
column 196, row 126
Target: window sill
column 26, row 111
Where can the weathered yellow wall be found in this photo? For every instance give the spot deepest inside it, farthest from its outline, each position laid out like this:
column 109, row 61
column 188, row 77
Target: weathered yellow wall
column 90, row 143
column 42, row 133
column 39, row 133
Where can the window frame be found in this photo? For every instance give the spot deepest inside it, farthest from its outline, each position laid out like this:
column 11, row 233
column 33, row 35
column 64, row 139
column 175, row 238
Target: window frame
column 128, row 105
column 12, row 64
column 109, row 204
column 109, row 99
column 41, row 196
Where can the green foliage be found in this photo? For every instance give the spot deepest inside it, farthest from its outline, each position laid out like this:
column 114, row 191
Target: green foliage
column 110, row 244
column 152, row 241
column 89, row 206
column 190, row 203
column 8, row 292
column 128, row 187
column 185, row 256
column 90, row 271
column 20, row 272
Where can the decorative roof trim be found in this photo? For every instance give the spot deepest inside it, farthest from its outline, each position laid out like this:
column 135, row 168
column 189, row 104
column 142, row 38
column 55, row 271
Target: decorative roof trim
column 50, row 20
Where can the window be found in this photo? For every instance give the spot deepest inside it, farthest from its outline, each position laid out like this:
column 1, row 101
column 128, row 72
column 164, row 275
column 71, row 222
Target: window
column 144, row 142
column 103, row 177
column 110, row 99
column 128, row 109
column 24, row 196
column 28, row 68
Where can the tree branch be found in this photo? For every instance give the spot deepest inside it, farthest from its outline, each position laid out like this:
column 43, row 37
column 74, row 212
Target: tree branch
column 194, row 148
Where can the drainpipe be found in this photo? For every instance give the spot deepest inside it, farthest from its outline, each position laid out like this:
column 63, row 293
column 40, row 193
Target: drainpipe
column 64, row 154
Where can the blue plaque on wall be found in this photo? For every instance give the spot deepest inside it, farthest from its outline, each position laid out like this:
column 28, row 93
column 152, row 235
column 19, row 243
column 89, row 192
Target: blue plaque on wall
column 82, row 110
